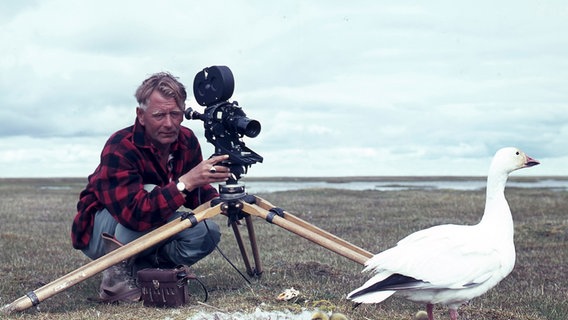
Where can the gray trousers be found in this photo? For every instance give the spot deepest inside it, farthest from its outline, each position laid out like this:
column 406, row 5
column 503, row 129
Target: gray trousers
column 186, row 247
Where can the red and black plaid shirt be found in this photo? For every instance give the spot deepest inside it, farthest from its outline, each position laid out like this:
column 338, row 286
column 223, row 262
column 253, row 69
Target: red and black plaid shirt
column 128, row 162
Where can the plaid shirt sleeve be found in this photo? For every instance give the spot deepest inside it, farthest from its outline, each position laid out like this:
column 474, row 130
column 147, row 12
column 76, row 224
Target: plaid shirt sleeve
column 128, row 164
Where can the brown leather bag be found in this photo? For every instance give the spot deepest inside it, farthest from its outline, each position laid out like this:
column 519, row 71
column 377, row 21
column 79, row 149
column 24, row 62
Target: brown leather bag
column 165, row 287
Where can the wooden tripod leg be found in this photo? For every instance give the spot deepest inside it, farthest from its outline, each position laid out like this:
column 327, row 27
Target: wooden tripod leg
column 130, row 249
column 244, row 254
column 302, row 223
column 308, row 233
column 254, row 246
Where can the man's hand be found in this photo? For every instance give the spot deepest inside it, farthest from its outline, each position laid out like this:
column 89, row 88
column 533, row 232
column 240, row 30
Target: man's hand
column 206, row 172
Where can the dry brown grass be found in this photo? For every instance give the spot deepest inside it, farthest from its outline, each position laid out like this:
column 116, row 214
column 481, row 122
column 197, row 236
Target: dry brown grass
column 36, row 214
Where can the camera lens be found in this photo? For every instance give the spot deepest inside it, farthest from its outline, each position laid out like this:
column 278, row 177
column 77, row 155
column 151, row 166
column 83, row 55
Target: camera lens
column 248, row 127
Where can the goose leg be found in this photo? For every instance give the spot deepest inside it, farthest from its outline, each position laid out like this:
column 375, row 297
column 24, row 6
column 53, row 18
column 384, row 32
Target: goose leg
column 453, row 314
column 430, row 311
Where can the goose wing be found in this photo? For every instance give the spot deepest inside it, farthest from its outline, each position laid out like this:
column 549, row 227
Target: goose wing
column 446, row 256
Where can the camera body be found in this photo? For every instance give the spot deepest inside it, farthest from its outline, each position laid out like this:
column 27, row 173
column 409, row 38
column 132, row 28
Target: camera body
column 225, row 122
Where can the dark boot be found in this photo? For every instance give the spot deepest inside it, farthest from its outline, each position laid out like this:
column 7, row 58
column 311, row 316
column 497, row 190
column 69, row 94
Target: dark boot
column 118, row 283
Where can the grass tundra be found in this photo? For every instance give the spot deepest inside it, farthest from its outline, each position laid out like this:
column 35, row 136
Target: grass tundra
column 35, row 249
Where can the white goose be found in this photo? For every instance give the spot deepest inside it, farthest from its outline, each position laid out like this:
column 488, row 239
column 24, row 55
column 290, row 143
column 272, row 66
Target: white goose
column 451, row 264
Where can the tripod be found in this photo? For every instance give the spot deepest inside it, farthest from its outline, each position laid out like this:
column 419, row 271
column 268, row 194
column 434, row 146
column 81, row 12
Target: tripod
column 233, row 202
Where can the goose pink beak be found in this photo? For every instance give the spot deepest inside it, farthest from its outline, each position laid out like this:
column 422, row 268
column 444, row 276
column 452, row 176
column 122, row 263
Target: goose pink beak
column 531, row 162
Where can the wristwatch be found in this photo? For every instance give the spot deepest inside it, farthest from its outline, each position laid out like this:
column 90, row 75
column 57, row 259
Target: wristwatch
column 181, row 187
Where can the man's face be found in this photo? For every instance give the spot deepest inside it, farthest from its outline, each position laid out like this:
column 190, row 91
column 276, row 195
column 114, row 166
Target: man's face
column 161, row 119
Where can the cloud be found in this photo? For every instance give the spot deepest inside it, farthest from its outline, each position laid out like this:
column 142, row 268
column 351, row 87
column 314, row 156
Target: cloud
column 340, row 89
column 49, row 156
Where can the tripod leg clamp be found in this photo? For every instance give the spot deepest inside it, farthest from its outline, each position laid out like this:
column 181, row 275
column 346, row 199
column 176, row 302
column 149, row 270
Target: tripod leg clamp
column 33, row 297
column 191, row 217
column 274, row 212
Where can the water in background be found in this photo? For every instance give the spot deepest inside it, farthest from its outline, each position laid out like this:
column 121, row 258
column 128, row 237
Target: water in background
column 395, row 185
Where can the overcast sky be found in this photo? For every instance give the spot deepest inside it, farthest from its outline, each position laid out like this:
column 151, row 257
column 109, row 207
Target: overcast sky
column 341, row 88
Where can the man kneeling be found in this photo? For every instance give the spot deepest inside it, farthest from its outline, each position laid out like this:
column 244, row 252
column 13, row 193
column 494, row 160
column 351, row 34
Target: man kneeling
column 146, row 173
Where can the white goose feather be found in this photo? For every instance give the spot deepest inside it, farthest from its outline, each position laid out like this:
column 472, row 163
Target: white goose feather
column 451, row 264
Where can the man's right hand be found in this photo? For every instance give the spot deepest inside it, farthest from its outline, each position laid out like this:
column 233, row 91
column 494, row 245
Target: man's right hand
column 206, row 172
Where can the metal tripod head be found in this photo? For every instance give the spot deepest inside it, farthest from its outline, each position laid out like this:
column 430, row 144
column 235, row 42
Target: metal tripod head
column 230, row 196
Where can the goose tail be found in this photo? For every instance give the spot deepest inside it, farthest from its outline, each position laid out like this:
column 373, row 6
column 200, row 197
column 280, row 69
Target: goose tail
column 364, row 296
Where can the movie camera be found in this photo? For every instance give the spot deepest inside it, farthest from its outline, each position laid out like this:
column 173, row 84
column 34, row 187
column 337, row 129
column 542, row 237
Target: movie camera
column 225, row 122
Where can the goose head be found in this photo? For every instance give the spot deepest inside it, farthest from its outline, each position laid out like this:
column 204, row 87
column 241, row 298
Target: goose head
column 510, row 159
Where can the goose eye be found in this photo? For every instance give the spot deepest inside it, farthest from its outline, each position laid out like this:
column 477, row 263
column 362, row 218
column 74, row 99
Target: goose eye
column 517, row 153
